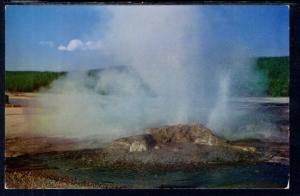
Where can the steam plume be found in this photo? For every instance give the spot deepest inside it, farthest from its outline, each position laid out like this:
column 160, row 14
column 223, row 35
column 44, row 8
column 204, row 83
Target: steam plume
column 176, row 71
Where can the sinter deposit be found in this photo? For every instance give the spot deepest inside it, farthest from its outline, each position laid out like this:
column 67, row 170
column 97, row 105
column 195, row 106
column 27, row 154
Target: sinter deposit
column 172, row 145
column 156, row 138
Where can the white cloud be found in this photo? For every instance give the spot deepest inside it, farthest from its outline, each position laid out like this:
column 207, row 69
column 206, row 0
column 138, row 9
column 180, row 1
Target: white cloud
column 61, row 47
column 76, row 44
column 47, row 43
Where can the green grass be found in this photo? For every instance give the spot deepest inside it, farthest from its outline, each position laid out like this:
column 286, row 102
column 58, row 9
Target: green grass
column 272, row 79
column 29, row 81
column 276, row 70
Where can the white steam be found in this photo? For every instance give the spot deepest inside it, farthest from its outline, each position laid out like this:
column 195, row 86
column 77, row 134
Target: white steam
column 219, row 115
column 175, row 72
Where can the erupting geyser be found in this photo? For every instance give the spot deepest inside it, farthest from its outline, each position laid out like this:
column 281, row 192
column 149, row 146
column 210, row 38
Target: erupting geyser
column 176, row 70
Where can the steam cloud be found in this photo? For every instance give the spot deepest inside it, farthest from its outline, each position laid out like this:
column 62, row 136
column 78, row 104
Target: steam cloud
column 176, row 71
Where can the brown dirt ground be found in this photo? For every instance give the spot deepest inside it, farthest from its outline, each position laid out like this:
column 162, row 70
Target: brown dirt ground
column 19, row 139
column 47, row 179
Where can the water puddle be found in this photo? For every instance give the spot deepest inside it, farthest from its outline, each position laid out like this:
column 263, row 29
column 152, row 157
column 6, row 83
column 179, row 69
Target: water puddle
column 262, row 175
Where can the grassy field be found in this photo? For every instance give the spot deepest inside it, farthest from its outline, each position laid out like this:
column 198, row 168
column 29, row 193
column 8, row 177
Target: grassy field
column 273, row 80
column 29, row 81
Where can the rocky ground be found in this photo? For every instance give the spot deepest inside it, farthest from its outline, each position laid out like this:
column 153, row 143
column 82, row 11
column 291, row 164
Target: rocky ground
column 178, row 144
column 169, row 148
column 34, row 161
column 47, row 178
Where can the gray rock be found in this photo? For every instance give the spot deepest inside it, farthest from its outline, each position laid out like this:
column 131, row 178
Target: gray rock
column 175, row 136
column 135, row 143
column 195, row 133
column 138, row 146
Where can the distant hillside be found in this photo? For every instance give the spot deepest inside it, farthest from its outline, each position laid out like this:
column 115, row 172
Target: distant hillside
column 276, row 70
column 273, row 80
column 29, row 81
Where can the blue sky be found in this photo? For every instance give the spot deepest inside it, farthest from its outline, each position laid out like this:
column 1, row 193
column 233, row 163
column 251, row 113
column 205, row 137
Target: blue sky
column 39, row 37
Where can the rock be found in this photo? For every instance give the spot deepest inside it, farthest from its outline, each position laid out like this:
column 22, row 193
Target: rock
column 138, row 146
column 195, row 133
column 244, row 148
column 176, row 144
column 136, row 143
column 176, row 134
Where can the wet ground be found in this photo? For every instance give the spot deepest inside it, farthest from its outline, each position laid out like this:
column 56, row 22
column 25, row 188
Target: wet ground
column 268, row 131
column 247, row 176
column 236, row 175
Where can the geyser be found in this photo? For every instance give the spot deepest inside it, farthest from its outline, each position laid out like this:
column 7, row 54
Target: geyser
column 177, row 70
